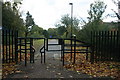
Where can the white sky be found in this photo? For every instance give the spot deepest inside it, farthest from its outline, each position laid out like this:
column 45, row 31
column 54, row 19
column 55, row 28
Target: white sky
column 47, row 13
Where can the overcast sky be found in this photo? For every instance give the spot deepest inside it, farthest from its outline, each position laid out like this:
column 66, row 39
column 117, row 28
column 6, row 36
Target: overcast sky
column 47, row 13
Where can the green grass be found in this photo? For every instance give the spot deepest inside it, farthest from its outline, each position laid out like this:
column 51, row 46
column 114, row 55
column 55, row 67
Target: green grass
column 38, row 43
column 69, row 42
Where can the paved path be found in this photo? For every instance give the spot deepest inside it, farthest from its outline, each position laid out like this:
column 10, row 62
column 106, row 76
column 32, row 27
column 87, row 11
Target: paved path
column 51, row 69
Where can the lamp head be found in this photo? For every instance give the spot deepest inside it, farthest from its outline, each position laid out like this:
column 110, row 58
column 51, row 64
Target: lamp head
column 70, row 3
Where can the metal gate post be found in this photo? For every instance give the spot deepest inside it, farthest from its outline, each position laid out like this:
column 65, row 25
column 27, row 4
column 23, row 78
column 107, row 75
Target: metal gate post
column 20, row 48
column 12, row 45
column 7, row 49
column 92, row 47
column 31, row 52
column 63, row 51
column 3, row 59
column 62, row 48
column 9, row 45
column 25, row 52
column 71, row 49
column 74, row 50
column 16, row 46
column 44, row 50
column 47, row 44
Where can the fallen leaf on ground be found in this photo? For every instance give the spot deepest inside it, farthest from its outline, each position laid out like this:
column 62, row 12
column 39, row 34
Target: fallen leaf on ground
column 99, row 69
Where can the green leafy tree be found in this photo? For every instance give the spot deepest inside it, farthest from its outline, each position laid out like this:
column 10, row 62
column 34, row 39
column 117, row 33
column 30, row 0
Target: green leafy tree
column 65, row 25
column 61, row 30
column 96, row 11
column 45, row 33
column 95, row 22
column 52, row 32
column 11, row 17
column 36, row 31
column 29, row 23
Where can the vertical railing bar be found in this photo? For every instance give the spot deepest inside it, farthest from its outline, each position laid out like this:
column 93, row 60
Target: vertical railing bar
column 63, row 51
column 41, row 57
column 41, row 52
column 92, row 57
column 25, row 52
column 16, row 46
column 94, row 48
column 47, row 44
column 6, row 48
column 12, row 44
column 9, row 45
column 31, row 52
column 71, row 49
column 115, row 50
column 119, row 43
column 99, row 45
column 102, row 47
column 96, row 44
column 114, row 43
column 74, row 50
column 110, row 45
column 44, row 51
column 3, row 46
column 117, row 46
column 20, row 43
column 87, row 53
column 92, row 43
column 105, row 45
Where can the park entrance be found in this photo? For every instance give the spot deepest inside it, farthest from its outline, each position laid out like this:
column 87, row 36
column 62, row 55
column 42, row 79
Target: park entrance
column 14, row 47
column 17, row 49
column 65, row 52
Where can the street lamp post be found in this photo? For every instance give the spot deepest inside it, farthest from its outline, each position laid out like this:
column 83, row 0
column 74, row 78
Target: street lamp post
column 71, row 26
column 71, row 17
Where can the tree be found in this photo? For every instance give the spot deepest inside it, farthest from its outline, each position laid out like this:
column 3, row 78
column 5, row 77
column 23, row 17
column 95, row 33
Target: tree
column 117, row 13
column 66, row 22
column 36, row 31
column 96, row 11
column 11, row 17
column 29, row 23
column 95, row 22
column 45, row 33
column 61, row 30
column 52, row 32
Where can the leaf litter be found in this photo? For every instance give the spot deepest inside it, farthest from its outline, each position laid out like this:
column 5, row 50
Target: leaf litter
column 98, row 69
column 10, row 68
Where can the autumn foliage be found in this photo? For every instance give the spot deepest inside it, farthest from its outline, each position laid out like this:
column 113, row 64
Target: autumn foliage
column 97, row 69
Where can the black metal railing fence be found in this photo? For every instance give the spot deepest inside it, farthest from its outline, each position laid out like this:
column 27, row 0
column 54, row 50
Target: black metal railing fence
column 106, row 46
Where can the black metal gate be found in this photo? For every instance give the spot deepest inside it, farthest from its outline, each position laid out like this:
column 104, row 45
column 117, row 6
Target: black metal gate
column 26, row 46
column 58, row 43
column 13, row 47
column 73, row 44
